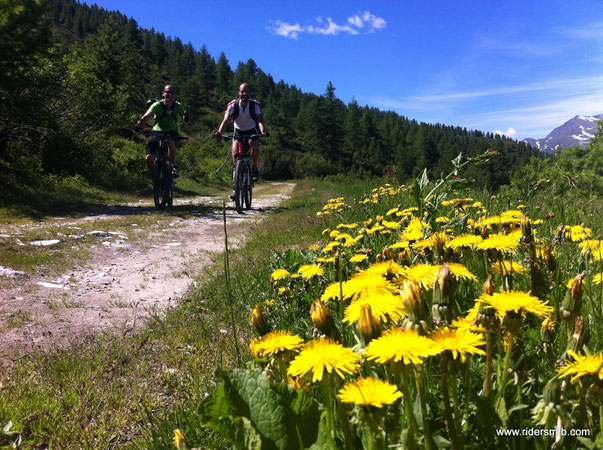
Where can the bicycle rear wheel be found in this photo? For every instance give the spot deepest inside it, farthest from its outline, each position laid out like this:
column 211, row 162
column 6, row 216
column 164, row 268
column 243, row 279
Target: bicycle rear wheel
column 239, row 188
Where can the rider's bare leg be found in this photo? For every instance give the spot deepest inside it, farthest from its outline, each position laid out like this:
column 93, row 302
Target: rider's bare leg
column 255, row 153
column 172, row 151
column 151, row 164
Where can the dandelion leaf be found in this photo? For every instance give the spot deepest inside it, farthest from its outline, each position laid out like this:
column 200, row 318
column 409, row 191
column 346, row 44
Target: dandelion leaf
column 247, row 407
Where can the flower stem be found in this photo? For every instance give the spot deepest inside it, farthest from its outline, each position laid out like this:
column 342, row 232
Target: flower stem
column 505, row 373
column 420, row 380
column 447, row 409
column 456, row 407
column 412, row 420
column 488, row 387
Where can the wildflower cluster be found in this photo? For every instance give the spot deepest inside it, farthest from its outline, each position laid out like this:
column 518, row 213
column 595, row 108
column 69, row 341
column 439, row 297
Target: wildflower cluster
column 443, row 305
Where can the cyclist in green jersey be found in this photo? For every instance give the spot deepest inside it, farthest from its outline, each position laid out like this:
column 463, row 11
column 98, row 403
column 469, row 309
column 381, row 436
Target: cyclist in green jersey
column 165, row 113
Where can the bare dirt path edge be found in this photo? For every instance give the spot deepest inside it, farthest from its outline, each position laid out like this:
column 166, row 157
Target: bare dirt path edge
column 121, row 283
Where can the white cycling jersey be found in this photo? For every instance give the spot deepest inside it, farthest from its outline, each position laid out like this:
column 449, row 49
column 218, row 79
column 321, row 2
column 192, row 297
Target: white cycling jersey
column 244, row 121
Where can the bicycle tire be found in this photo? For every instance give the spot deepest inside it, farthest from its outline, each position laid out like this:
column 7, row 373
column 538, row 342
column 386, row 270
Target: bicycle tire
column 168, row 184
column 239, row 189
column 248, row 188
column 157, row 186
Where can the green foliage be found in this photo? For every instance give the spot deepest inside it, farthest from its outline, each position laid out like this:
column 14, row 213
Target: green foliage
column 253, row 413
column 66, row 97
column 577, row 170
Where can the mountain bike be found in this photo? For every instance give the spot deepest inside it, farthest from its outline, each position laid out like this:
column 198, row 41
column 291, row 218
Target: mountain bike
column 163, row 180
column 242, row 180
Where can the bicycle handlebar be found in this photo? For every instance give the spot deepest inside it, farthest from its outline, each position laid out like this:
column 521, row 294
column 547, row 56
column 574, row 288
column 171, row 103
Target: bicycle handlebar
column 163, row 134
column 226, row 137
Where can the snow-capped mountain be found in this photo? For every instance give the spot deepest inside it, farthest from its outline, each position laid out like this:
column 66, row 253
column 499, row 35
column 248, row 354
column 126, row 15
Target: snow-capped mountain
column 577, row 131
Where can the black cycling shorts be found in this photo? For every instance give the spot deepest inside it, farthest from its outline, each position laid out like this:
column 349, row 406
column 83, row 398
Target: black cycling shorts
column 153, row 143
column 238, row 132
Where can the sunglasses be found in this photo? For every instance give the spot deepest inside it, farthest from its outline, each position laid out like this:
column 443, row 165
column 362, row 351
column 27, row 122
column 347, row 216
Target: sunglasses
column 170, row 92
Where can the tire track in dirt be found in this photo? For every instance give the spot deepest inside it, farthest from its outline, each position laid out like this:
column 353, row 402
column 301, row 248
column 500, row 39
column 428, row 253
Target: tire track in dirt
column 122, row 283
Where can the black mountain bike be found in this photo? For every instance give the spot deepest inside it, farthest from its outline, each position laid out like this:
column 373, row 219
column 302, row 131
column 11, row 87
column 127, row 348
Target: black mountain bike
column 163, row 180
column 242, row 180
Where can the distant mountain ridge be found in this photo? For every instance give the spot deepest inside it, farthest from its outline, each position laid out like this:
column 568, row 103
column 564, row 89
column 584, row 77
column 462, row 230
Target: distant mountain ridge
column 577, row 131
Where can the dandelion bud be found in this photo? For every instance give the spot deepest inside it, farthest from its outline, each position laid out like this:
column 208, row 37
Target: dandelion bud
column 512, row 322
column 323, row 319
column 576, row 340
column 178, row 440
column 559, row 235
column 385, row 255
column 549, row 408
column 489, row 286
column 572, row 303
column 549, row 258
column 379, row 219
column 442, row 310
column 368, row 325
column 259, row 321
column 411, row 298
column 547, row 333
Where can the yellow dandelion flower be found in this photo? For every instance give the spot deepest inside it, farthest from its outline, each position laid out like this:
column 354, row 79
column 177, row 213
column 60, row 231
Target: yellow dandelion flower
column 314, row 248
column 385, row 307
column 460, row 271
column 321, row 354
column 330, row 246
column 343, row 237
column 424, row 244
column 459, row 341
column 274, row 343
column 369, row 392
column 582, row 366
column 401, row 345
column 467, row 322
column 278, row 274
column 421, row 274
column 412, row 235
column 308, row 271
column 465, row 240
column 507, row 268
column 392, row 211
column 347, row 225
column 400, row 244
column 178, row 438
column 517, row 301
column 388, row 269
column 375, row 229
column 333, row 234
column 283, row 290
column 358, row 258
column 269, row 302
column 326, row 230
column 578, row 233
column 353, row 241
column 506, row 243
column 597, row 279
column 391, row 225
column 442, row 219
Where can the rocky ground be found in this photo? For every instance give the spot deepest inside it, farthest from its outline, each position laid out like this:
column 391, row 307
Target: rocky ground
column 126, row 276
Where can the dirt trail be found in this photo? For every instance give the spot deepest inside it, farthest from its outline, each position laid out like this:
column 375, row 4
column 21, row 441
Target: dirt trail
column 123, row 281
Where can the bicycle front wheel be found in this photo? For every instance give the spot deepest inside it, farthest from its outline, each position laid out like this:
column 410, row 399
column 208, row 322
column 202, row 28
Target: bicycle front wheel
column 248, row 188
column 239, row 187
column 167, row 187
column 157, row 186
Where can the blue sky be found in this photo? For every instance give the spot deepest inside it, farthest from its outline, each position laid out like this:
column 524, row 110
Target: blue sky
column 517, row 67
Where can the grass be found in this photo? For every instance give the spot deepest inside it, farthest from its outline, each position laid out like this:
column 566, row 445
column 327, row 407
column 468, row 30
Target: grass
column 135, row 390
column 109, row 392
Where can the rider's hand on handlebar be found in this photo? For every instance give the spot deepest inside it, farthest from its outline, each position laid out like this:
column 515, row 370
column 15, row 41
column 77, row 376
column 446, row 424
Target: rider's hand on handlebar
column 217, row 135
column 186, row 117
column 137, row 128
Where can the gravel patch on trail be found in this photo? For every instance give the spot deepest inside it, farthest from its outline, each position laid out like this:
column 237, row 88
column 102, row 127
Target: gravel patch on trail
column 122, row 282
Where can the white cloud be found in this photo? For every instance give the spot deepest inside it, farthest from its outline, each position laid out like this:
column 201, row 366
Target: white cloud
column 511, row 132
column 363, row 22
column 592, row 31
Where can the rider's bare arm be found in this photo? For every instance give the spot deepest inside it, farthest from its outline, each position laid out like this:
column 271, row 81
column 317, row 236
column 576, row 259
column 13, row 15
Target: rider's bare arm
column 224, row 122
column 144, row 119
column 261, row 124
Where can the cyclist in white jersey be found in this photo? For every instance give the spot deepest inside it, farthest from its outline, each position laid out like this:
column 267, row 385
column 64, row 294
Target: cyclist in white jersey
column 248, row 119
